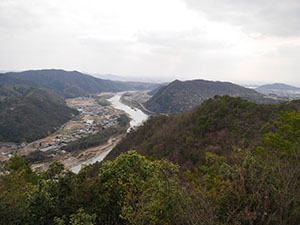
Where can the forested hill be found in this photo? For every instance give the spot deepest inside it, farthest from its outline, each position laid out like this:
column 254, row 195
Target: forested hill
column 256, row 184
column 6, row 80
column 218, row 125
column 29, row 113
column 181, row 97
column 70, row 83
column 25, row 90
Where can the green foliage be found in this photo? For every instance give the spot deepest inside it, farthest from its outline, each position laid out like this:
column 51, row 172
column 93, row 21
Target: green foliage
column 259, row 185
column 286, row 141
column 80, row 218
column 139, row 190
column 55, row 168
column 217, row 125
column 14, row 192
column 18, row 165
column 130, row 190
column 250, row 187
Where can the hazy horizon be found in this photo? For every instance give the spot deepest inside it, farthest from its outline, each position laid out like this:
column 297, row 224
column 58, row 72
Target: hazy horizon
column 117, row 77
column 245, row 42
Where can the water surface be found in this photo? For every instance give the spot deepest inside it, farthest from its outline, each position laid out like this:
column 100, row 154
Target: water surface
column 137, row 118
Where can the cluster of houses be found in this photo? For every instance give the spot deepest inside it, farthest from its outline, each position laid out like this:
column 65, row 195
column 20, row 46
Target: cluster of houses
column 284, row 95
column 137, row 96
column 93, row 118
column 11, row 149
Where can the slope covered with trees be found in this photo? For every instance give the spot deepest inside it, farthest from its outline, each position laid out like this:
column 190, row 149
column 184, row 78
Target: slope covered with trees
column 180, row 97
column 29, row 113
column 260, row 186
column 218, row 125
column 70, row 83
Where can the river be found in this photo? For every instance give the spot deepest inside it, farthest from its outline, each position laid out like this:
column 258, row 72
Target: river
column 137, row 118
column 136, row 115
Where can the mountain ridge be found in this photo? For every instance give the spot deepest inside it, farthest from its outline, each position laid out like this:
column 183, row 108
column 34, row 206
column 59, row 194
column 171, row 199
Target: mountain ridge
column 218, row 125
column 70, row 83
column 29, row 113
column 183, row 96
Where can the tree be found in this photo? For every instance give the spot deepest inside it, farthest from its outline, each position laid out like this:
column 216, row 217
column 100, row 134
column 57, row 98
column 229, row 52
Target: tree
column 260, row 186
column 79, row 218
column 136, row 190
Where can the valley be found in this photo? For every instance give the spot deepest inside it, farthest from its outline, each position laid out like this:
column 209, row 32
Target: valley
column 178, row 112
column 100, row 114
column 205, row 137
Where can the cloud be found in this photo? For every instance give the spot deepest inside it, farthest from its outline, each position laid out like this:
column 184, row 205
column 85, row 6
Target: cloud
column 24, row 16
column 103, row 41
column 268, row 17
column 220, row 40
column 193, row 41
column 14, row 16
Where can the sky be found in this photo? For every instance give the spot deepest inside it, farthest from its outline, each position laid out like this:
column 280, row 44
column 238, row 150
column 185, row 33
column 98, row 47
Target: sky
column 242, row 41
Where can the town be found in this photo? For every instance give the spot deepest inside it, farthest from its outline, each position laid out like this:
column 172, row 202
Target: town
column 96, row 114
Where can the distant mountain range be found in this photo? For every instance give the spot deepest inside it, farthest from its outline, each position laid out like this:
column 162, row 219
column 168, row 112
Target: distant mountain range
column 32, row 102
column 70, row 83
column 279, row 87
column 181, row 97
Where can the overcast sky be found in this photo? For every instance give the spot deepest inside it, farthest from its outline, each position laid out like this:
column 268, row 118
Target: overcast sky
column 232, row 40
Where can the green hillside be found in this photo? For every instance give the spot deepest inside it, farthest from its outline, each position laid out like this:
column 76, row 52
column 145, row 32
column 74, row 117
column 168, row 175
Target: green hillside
column 27, row 90
column 181, row 97
column 28, row 113
column 218, row 125
column 258, row 183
